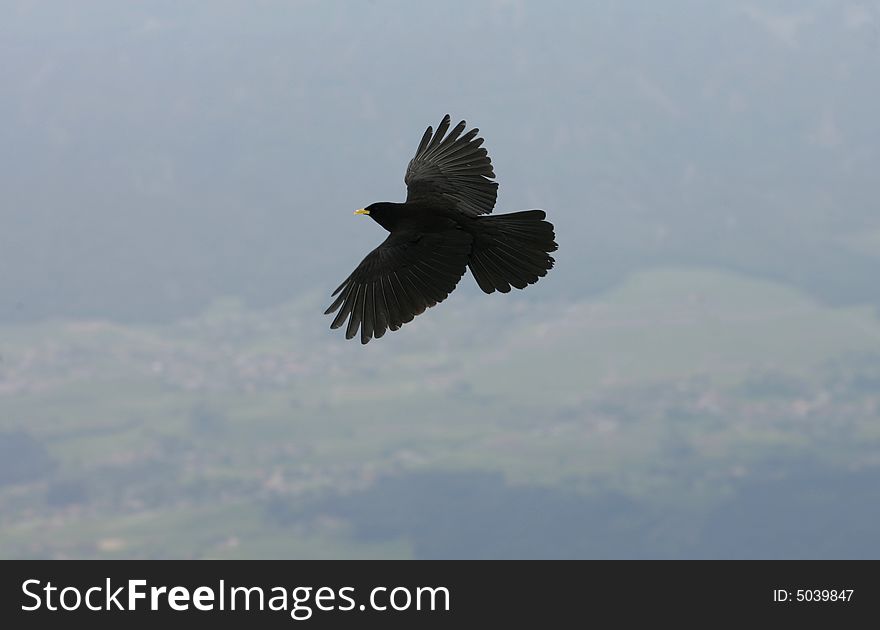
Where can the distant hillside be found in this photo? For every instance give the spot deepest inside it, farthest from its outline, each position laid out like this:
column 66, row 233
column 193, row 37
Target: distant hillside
column 683, row 402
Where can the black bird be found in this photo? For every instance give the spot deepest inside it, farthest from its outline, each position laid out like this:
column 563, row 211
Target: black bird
column 436, row 234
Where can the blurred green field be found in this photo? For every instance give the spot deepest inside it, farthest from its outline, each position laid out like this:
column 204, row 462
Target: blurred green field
column 178, row 437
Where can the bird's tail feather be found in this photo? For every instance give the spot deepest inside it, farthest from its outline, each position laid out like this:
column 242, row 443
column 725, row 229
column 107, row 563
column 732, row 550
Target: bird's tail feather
column 512, row 250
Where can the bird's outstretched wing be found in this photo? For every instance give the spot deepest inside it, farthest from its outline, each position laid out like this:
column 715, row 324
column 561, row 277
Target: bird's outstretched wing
column 398, row 280
column 452, row 170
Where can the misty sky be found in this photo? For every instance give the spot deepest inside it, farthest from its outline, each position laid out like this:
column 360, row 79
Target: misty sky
column 160, row 155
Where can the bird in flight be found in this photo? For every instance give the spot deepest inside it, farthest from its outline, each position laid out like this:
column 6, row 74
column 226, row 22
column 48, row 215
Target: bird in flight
column 442, row 229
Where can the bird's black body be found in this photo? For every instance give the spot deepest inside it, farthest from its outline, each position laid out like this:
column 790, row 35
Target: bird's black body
column 413, row 216
column 439, row 232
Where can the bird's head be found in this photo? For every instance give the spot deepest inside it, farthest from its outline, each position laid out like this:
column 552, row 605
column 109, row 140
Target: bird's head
column 380, row 212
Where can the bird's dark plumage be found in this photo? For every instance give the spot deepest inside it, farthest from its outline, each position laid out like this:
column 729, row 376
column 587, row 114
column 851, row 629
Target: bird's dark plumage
column 437, row 234
column 453, row 171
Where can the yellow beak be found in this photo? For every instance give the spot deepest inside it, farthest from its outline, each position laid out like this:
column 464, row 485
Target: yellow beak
column 362, row 211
